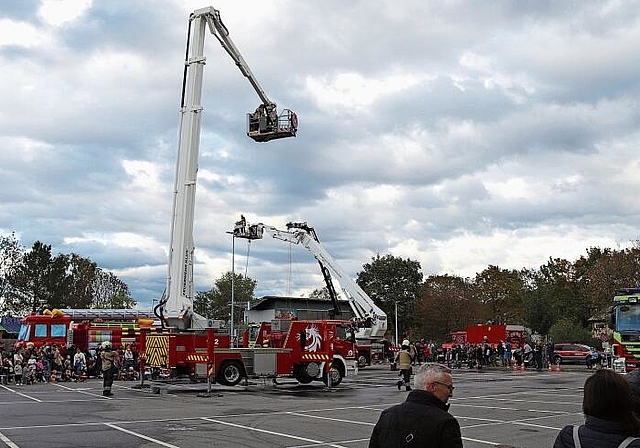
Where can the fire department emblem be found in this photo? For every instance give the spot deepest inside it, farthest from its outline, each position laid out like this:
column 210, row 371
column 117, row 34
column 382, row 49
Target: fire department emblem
column 313, row 341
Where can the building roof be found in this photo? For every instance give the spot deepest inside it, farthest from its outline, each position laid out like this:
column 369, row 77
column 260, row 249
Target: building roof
column 268, row 302
column 10, row 324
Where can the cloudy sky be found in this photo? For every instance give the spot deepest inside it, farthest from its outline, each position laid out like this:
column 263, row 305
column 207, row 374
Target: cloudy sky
column 458, row 134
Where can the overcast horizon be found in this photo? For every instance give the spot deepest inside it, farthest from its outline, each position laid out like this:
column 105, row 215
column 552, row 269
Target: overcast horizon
column 457, row 134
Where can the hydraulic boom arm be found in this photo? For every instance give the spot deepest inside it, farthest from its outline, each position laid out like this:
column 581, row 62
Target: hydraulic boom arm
column 176, row 306
column 264, row 124
column 364, row 308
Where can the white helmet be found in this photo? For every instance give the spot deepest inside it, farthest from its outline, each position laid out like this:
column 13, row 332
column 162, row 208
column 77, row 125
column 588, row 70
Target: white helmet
column 406, row 342
column 106, row 344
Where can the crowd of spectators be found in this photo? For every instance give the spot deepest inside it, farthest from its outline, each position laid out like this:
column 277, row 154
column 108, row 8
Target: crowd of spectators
column 479, row 355
column 25, row 364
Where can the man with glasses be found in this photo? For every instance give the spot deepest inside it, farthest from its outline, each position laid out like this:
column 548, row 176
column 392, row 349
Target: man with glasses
column 422, row 420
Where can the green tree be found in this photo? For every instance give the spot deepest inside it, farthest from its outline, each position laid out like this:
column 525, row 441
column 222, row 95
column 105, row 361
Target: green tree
column 390, row 279
column 110, row 292
column 80, row 281
column 558, row 278
column 216, row 303
column 604, row 271
column 58, row 282
column 567, row 329
column 447, row 303
column 64, row 281
column 501, row 292
column 31, row 278
column 10, row 256
column 538, row 310
column 320, row 293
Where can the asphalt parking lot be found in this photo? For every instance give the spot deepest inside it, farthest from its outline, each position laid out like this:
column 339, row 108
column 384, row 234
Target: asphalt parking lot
column 494, row 408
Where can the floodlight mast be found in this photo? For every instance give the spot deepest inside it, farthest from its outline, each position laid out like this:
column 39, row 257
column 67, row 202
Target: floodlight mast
column 176, row 306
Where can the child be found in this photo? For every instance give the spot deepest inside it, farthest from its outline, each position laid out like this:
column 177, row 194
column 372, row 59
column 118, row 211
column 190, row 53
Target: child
column 17, row 370
column 40, row 370
column 28, row 375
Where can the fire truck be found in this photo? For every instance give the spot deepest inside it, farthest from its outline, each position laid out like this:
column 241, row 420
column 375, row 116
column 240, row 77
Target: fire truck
column 370, row 323
column 306, row 351
column 192, row 346
column 85, row 328
column 491, row 334
column 624, row 320
column 176, row 306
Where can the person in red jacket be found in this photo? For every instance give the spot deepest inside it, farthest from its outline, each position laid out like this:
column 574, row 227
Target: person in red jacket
column 423, row 419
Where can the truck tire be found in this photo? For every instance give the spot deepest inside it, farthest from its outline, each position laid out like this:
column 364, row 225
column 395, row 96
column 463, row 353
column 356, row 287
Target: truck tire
column 363, row 360
column 336, row 372
column 557, row 359
column 304, row 379
column 230, row 373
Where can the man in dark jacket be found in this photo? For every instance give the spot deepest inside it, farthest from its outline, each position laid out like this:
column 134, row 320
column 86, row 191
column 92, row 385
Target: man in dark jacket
column 422, row 420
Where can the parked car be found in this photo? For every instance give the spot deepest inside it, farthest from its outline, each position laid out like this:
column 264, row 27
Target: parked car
column 569, row 353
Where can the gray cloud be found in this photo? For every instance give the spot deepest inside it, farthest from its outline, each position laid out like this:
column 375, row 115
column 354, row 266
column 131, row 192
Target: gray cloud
column 456, row 134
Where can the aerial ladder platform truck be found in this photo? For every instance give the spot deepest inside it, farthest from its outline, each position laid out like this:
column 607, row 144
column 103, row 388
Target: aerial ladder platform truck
column 191, row 347
column 370, row 321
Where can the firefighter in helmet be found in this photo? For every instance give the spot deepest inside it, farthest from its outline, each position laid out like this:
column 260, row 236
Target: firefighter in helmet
column 108, row 368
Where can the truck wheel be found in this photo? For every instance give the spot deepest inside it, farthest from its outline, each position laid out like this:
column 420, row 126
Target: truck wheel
column 363, row 360
column 336, row 375
column 304, row 379
column 230, row 373
column 557, row 360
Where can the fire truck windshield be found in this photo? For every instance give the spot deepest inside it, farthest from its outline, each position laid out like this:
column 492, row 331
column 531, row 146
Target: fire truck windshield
column 628, row 317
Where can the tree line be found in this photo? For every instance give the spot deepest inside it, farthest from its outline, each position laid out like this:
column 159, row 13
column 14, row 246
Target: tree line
column 559, row 299
column 32, row 280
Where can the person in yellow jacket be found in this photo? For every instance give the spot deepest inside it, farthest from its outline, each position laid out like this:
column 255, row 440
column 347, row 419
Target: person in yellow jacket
column 108, row 368
column 403, row 360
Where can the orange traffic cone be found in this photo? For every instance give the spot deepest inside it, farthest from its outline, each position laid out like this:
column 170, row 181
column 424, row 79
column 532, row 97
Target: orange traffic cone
column 550, row 369
column 557, row 367
column 522, row 366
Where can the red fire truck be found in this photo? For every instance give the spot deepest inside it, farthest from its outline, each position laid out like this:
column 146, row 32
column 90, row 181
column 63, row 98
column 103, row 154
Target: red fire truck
column 86, row 328
column 274, row 333
column 306, row 351
column 192, row 347
column 492, row 334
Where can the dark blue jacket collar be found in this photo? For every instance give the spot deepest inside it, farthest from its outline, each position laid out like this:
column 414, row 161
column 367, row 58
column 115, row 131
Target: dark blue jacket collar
column 424, row 397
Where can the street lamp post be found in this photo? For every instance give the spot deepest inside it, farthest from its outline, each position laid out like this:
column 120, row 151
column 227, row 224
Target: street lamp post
column 233, row 279
column 397, row 323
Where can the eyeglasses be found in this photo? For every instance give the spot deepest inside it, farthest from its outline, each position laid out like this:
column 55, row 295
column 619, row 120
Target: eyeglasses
column 448, row 386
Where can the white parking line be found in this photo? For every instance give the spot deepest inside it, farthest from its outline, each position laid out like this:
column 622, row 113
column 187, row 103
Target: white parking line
column 7, row 441
column 281, row 434
column 82, row 390
column 21, row 394
column 331, row 419
column 351, row 441
column 142, row 436
column 516, row 400
column 484, row 442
